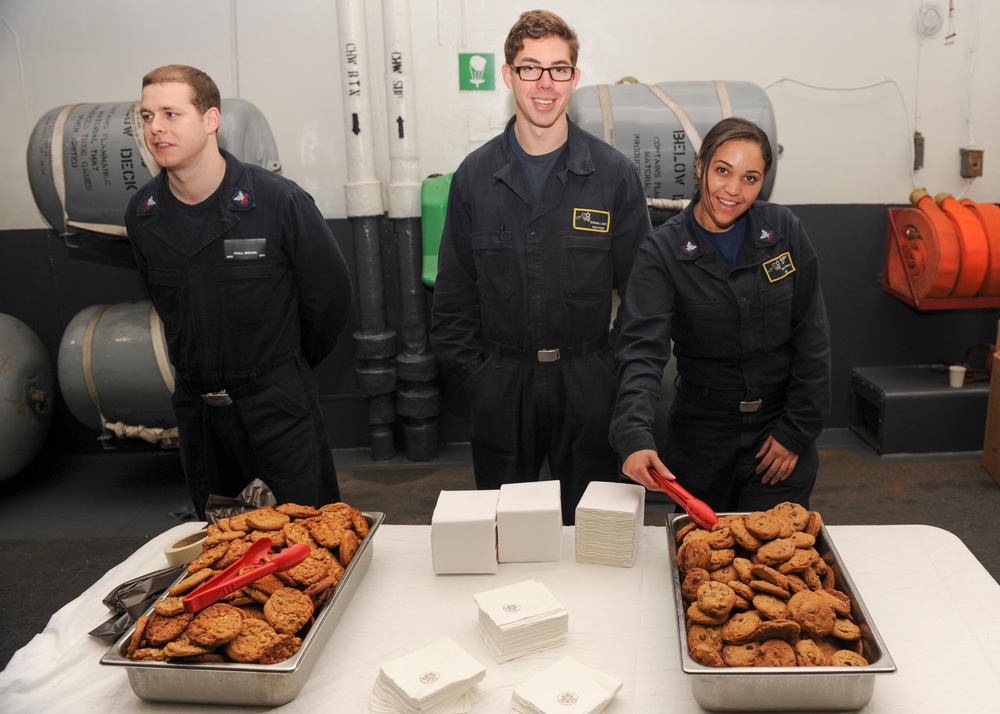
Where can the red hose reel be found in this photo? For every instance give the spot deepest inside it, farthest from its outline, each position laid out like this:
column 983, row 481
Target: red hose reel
column 943, row 253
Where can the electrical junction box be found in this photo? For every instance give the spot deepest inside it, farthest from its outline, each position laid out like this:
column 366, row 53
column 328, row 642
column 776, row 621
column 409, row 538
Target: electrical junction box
column 972, row 163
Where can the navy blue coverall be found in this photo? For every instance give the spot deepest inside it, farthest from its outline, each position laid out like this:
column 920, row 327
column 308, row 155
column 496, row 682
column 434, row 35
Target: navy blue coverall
column 758, row 331
column 523, row 308
column 250, row 306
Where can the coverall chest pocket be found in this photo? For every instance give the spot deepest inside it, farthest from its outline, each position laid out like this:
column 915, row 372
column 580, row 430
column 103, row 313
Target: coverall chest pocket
column 247, row 293
column 709, row 328
column 494, row 261
column 165, row 291
column 586, row 264
column 776, row 305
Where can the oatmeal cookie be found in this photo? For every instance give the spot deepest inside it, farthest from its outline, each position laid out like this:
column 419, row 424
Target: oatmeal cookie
column 191, row 582
column 326, row 530
column 253, row 638
column 283, row 647
column 288, row 610
column 296, row 510
column 160, row 630
column 266, row 518
column 169, row 606
column 349, row 544
column 183, row 647
column 216, row 625
column 208, row 556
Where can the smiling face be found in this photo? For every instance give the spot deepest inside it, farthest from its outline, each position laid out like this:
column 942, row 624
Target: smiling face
column 541, row 105
column 175, row 132
column 730, row 182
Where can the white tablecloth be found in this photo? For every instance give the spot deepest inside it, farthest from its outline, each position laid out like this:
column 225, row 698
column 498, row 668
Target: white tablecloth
column 936, row 607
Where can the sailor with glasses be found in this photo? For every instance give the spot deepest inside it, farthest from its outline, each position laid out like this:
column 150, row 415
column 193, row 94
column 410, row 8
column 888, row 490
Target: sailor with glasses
column 542, row 226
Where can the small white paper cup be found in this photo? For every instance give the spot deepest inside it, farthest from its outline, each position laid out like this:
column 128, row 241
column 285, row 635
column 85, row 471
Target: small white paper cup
column 956, row 375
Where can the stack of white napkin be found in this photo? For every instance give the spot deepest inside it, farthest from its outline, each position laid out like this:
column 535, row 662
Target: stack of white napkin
column 437, row 679
column 520, row 619
column 566, row 686
column 609, row 519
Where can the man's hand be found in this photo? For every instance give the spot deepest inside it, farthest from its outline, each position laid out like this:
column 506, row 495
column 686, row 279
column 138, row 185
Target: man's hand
column 638, row 465
column 776, row 462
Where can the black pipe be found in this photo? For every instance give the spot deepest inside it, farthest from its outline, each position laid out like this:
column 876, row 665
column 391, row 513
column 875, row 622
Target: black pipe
column 375, row 344
column 419, row 399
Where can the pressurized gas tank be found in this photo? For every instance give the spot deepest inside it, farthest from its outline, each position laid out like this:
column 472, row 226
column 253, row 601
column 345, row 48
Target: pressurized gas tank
column 660, row 126
column 26, row 395
column 113, row 362
column 86, row 160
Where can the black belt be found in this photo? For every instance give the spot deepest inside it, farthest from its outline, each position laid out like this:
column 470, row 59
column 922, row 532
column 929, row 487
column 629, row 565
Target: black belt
column 747, row 402
column 548, row 354
column 225, row 397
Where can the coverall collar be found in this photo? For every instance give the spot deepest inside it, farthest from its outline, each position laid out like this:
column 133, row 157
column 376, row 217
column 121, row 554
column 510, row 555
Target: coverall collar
column 760, row 237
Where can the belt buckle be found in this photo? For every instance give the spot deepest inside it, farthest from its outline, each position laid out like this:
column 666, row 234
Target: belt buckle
column 548, row 355
column 750, row 407
column 217, row 399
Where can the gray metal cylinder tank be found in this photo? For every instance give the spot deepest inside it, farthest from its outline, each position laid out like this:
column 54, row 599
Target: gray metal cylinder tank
column 659, row 127
column 86, row 160
column 26, row 395
column 113, row 362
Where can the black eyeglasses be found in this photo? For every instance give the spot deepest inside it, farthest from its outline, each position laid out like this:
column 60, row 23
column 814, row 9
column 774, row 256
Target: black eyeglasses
column 532, row 73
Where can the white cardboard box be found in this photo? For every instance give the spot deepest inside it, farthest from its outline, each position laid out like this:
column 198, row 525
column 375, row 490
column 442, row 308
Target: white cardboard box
column 464, row 532
column 529, row 522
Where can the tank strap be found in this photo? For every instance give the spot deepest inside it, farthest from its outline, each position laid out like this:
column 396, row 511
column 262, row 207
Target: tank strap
column 607, row 116
column 685, row 121
column 88, row 362
column 725, row 103
column 160, row 349
column 58, row 170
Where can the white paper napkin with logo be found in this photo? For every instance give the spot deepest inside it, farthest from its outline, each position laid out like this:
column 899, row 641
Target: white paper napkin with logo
column 608, row 519
column 434, row 680
column 518, row 619
column 567, row 687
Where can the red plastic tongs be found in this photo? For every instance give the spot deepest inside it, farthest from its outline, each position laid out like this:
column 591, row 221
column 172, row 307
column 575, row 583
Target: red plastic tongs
column 231, row 579
column 699, row 511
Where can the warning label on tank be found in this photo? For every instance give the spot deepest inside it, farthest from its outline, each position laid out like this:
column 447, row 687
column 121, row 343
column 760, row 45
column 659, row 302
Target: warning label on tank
column 663, row 164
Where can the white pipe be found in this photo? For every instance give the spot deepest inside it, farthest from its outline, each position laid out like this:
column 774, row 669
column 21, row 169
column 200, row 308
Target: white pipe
column 404, row 157
column 363, row 190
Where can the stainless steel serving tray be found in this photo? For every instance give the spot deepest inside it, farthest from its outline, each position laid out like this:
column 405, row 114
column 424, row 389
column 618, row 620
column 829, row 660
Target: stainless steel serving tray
column 246, row 684
column 775, row 689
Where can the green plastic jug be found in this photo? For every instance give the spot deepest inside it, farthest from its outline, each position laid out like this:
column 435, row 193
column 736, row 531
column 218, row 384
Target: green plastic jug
column 433, row 206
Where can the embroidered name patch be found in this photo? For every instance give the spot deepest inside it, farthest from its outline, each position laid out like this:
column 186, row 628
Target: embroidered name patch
column 245, row 248
column 590, row 219
column 779, row 268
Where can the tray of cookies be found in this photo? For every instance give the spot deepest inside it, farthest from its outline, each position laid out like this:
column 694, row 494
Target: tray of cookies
column 258, row 644
column 768, row 616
